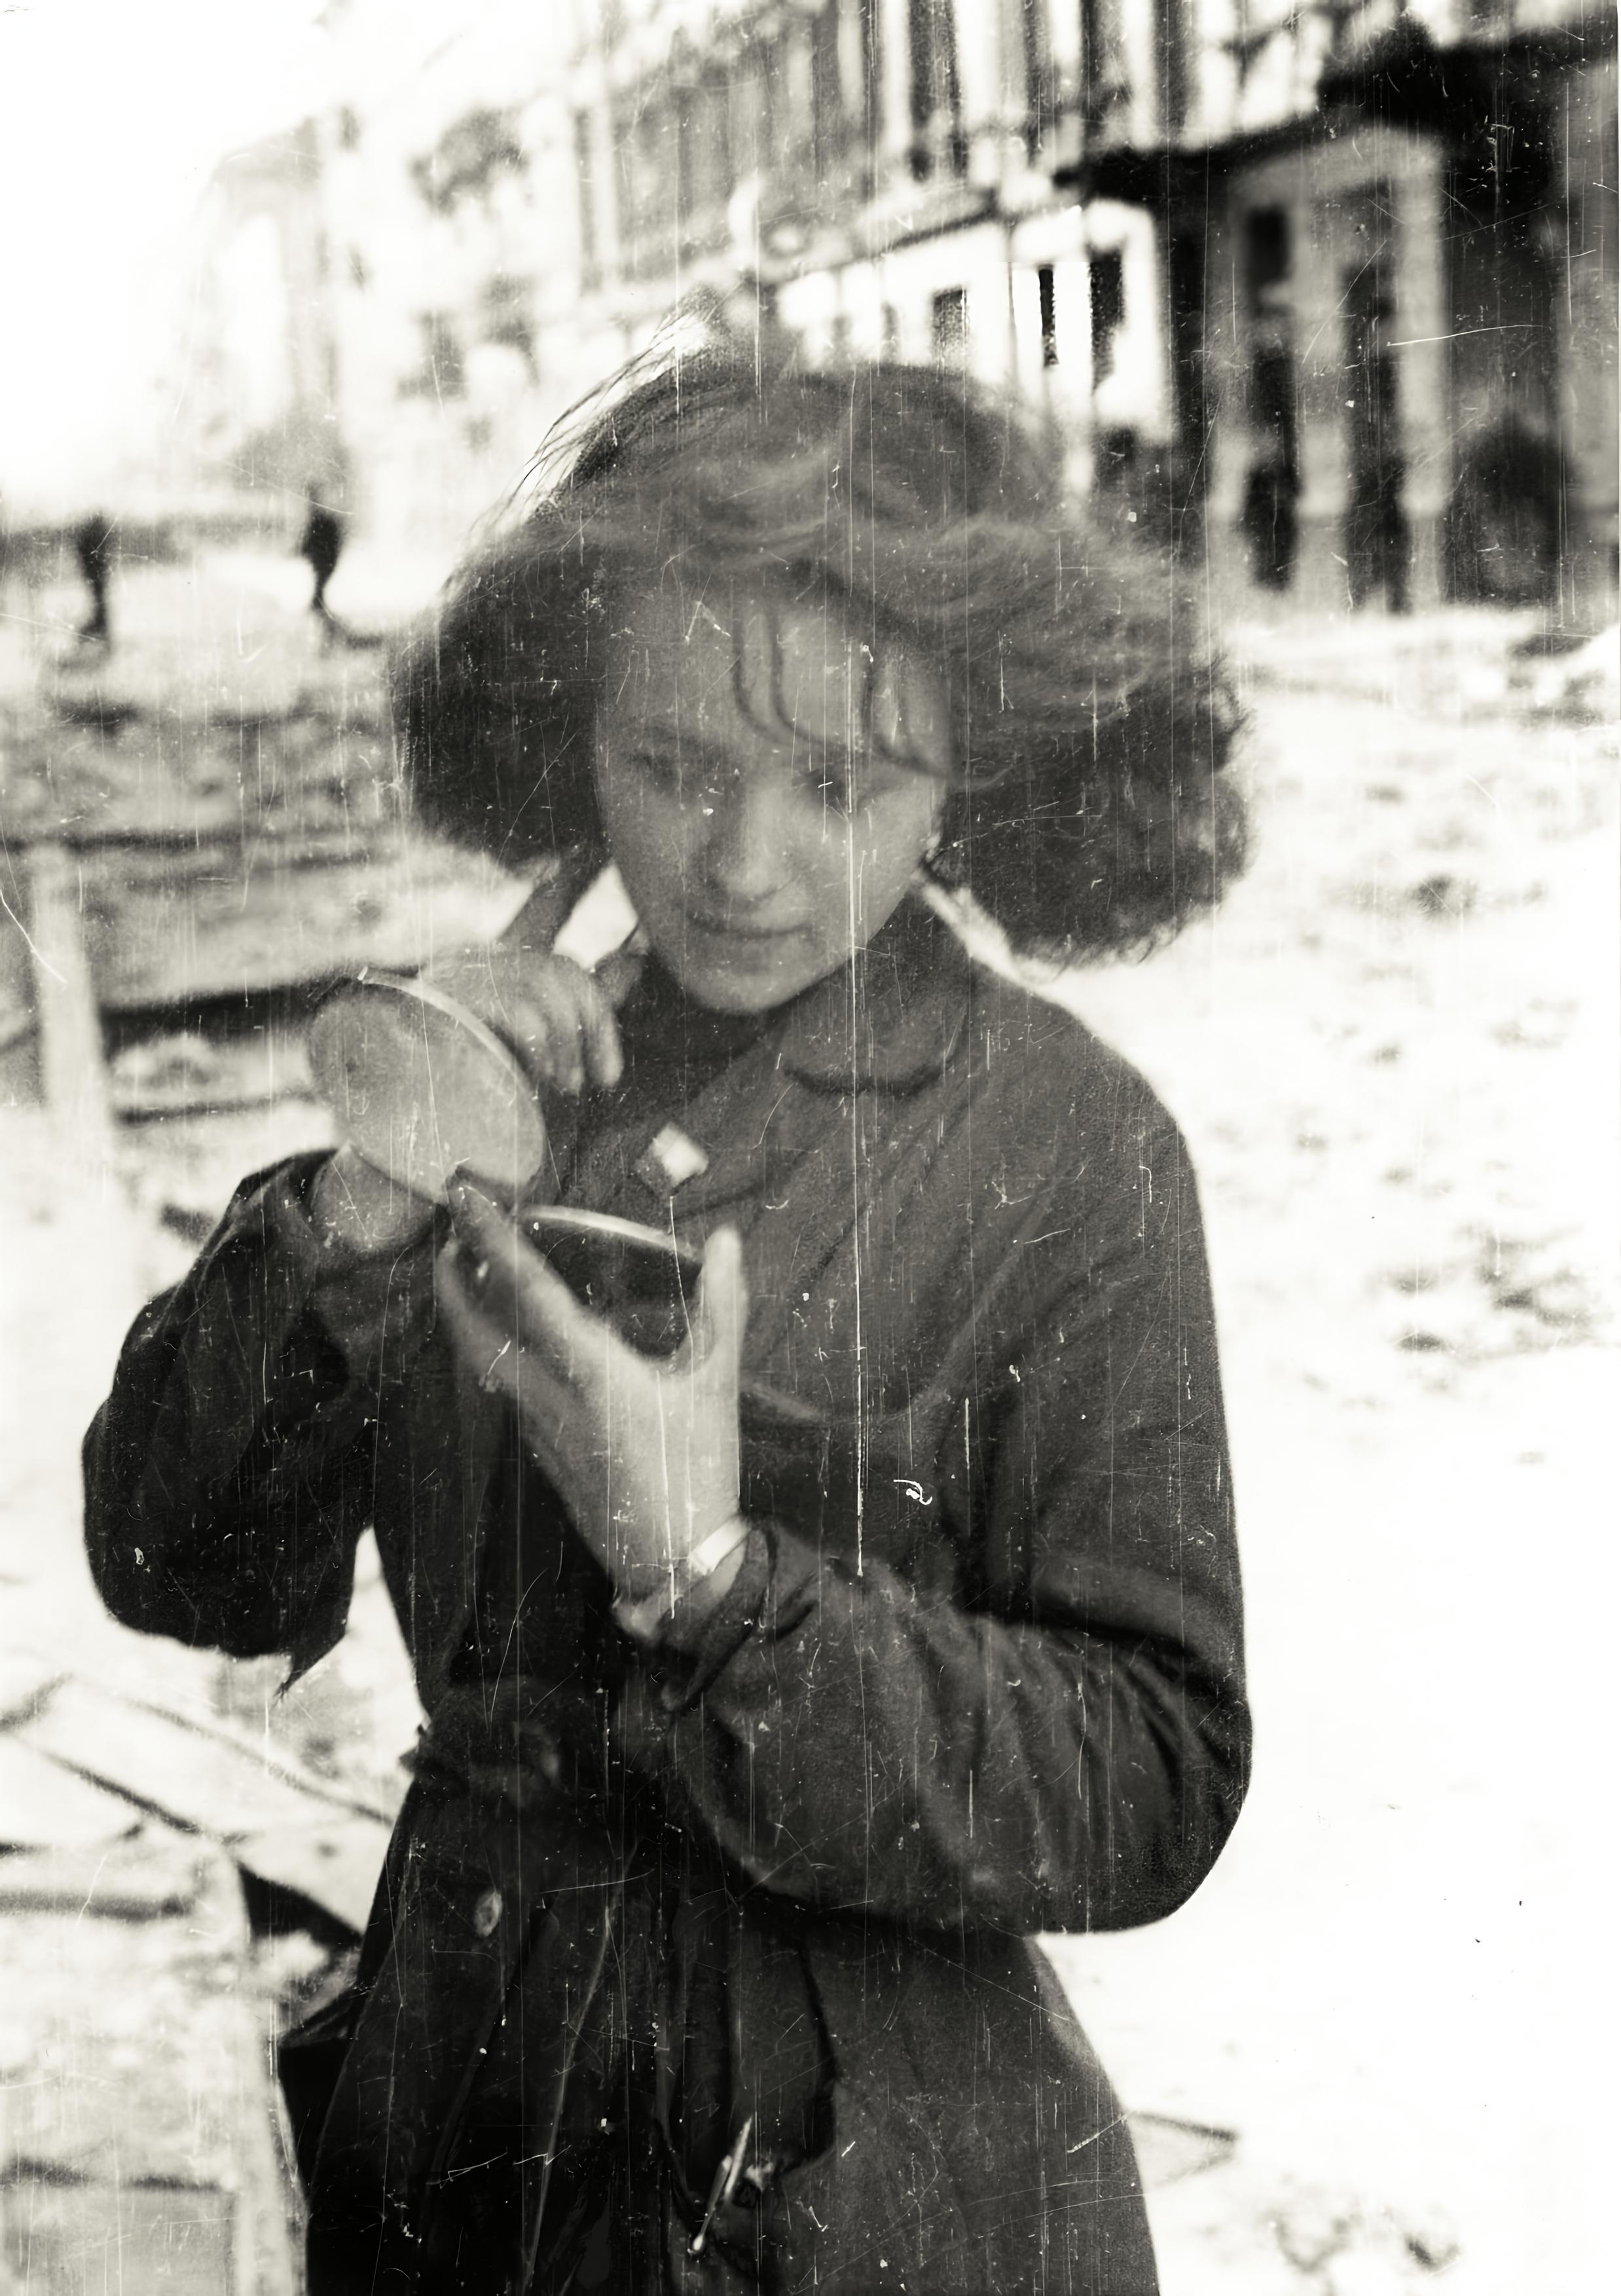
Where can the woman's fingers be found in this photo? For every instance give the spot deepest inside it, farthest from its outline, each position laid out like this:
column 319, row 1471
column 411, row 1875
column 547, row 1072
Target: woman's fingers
column 557, row 1018
column 723, row 1301
column 599, row 1034
column 501, row 1362
column 541, row 1311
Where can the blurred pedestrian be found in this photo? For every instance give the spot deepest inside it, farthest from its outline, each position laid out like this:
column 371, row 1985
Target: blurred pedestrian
column 1271, row 518
column 93, row 546
column 1378, row 533
column 321, row 545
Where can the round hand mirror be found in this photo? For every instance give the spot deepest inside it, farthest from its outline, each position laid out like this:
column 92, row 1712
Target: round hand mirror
column 421, row 1088
column 638, row 1279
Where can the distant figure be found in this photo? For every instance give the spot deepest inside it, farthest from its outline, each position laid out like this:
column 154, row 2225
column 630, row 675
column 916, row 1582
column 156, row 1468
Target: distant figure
column 321, row 545
column 1378, row 533
column 1271, row 521
column 92, row 546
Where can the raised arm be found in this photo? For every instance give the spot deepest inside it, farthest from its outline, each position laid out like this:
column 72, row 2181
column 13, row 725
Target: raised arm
column 1038, row 1723
column 227, row 1479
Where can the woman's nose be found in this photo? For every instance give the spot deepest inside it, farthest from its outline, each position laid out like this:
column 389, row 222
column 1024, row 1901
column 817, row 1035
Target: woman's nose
column 746, row 855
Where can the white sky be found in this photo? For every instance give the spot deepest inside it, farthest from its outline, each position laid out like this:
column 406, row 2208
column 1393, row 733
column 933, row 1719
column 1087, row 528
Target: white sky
column 113, row 114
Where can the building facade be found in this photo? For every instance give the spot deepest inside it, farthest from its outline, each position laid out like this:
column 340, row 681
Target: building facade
column 254, row 387
column 1332, row 283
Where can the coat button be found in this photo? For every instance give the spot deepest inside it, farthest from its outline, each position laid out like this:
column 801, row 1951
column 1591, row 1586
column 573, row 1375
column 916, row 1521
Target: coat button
column 487, row 1914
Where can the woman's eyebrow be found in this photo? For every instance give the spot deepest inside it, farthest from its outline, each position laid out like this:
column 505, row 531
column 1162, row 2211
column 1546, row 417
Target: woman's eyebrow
column 662, row 730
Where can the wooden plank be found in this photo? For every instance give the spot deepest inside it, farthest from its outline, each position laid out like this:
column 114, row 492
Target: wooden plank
column 208, row 1780
column 149, row 1872
column 133, row 2057
column 26, row 1681
column 335, row 1866
column 1168, row 2150
column 96, row 774
column 177, row 942
column 72, row 1073
column 118, row 2239
column 44, row 1807
column 183, row 1074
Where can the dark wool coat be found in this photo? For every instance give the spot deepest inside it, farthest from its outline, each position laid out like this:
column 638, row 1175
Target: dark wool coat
column 979, row 1676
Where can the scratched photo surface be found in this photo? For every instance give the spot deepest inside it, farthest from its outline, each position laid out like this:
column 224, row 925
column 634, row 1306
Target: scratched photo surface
column 808, row 1145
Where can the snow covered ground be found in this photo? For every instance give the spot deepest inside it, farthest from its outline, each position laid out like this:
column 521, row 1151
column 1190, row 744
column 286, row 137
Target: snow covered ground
column 1394, row 1052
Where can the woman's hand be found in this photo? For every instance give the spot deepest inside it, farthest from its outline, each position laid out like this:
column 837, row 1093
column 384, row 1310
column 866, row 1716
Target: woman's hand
column 643, row 1450
column 557, row 1018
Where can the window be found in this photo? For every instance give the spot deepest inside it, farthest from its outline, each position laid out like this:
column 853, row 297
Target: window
column 1039, row 106
column 829, row 123
column 1186, row 280
column 704, row 163
column 1049, row 315
column 1107, row 271
column 507, row 315
column 1171, row 41
column 441, row 372
column 869, row 16
column 751, row 123
column 936, row 96
column 465, row 163
column 644, row 144
column 950, row 325
column 1106, row 85
column 585, row 176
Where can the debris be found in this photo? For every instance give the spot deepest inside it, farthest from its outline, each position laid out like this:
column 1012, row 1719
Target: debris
column 151, row 1874
column 189, row 1222
column 1430, row 2240
column 258, row 925
column 334, row 1865
column 44, row 1807
column 1442, row 895
column 204, row 1779
column 178, row 2238
column 1312, row 2228
column 186, row 1074
column 137, row 2119
column 1167, row 2149
column 1583, row 684
column 26, row 1681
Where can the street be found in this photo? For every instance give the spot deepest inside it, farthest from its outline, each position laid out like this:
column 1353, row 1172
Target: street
column 1394, row 1054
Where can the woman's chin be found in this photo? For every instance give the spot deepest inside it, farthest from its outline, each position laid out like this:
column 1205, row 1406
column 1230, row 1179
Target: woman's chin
column 729, row 991
column 744, row 973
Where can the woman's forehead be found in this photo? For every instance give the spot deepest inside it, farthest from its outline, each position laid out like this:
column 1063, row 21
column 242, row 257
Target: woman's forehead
column 744, row 656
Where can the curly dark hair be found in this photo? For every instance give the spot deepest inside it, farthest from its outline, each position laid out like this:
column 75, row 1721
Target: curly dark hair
column 1091, row 810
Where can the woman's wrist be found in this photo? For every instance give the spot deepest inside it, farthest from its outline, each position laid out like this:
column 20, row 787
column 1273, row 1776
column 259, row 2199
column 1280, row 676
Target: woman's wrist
column 702, row 1576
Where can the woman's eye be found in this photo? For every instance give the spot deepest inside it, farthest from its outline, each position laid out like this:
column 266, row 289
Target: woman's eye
column 834, row 782
column 663, row 769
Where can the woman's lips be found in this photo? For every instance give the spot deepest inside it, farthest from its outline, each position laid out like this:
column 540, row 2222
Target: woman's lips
column 738, row 928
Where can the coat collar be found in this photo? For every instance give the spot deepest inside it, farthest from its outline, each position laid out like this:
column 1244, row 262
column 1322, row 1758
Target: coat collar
column 889, row 1022
column 890, row 1019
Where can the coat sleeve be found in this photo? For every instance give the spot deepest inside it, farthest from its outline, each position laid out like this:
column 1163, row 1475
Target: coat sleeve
column 227, row 1476
column 1058, row 1739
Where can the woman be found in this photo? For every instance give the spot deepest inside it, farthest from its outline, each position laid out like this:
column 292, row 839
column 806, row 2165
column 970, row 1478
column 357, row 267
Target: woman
column 763, row 1734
